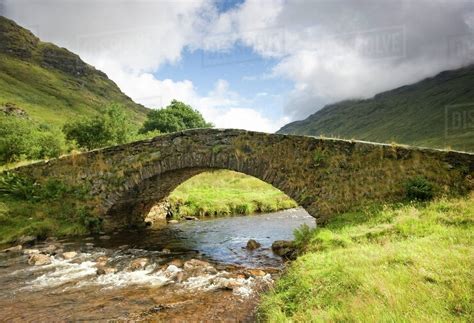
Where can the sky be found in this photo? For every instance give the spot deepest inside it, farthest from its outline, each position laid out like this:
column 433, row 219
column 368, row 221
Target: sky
column 251, row 64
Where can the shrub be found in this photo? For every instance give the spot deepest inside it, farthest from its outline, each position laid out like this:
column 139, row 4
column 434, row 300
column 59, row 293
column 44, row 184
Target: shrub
column 419, row 189
column 51, row 143
column 303, row 235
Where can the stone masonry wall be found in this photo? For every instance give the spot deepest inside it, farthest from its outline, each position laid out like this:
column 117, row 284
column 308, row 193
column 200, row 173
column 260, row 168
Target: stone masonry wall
column 325, row 176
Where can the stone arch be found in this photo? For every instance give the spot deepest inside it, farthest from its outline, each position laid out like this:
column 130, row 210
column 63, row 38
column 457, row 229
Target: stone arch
column 325, row 176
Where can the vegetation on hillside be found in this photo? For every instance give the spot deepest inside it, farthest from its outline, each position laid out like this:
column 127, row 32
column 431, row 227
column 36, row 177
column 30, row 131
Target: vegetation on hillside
column 22, row 139
column 226, row 193
column 410, row 262
column 436, row 112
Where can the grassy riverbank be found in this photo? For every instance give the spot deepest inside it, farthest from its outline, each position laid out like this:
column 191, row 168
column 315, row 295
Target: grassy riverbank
column 224, row 192
column 392, row 264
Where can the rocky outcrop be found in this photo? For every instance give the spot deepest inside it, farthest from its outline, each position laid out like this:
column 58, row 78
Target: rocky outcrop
column 12, row 110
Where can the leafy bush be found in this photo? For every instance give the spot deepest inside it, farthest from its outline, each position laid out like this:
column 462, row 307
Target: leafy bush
column 108, row 128
column 175, row 117
column 23, row 139
column 419, row 189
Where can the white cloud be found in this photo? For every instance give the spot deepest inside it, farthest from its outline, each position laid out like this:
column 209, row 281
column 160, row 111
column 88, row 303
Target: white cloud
column 334, row 50
column 137, row 34
column 330, row 50
column 221, row 106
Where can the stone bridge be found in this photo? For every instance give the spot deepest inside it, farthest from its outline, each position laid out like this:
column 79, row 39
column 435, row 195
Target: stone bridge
column 325, row 176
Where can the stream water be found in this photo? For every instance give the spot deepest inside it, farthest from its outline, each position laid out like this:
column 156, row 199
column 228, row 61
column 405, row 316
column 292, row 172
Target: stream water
column 193, row 270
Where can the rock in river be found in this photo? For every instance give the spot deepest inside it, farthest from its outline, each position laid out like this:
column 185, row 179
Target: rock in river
column 252, row 244
column 138, row 263
column 39, row 259
column 285, row 249
column 69, row 255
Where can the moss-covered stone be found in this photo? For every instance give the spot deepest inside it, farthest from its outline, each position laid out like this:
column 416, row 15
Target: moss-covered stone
column 126, row 181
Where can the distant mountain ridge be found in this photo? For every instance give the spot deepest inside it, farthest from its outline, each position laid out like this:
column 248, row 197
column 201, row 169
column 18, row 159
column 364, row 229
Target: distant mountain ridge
column 51, row 83
column 435, row 112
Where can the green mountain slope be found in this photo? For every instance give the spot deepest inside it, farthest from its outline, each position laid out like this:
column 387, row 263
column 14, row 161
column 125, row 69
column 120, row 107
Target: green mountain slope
column 52, row 84
column 436, row 112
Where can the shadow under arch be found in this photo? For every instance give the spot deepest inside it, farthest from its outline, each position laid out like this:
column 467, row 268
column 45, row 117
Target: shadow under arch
column 134, row 204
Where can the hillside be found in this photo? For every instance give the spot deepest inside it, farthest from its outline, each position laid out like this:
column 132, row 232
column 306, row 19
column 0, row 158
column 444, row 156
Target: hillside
column 421, row 114
column 52, row 84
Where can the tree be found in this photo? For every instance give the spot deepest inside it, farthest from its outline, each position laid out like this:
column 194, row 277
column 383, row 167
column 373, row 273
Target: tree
column 108, row 128
column 175, row 117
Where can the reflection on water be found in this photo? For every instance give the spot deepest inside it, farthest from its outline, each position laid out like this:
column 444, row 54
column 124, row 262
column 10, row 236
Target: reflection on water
column 220, row 286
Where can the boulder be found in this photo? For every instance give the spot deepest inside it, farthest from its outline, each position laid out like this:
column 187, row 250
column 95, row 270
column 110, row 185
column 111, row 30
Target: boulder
column 191, row 218
column 39, row 260
column 138, row 264
column 173, row 221
column 252, row 244
column 285, row 249
column 69, row 255
column 101, row 261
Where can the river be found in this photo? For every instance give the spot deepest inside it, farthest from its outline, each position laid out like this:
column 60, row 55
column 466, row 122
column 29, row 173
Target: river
column 193, row 270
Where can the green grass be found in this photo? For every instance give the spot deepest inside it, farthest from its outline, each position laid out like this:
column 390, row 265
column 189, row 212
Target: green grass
column 406, row 263
column 417, row 114
column 42, row 210
column 227, row 193
column 21, row 218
